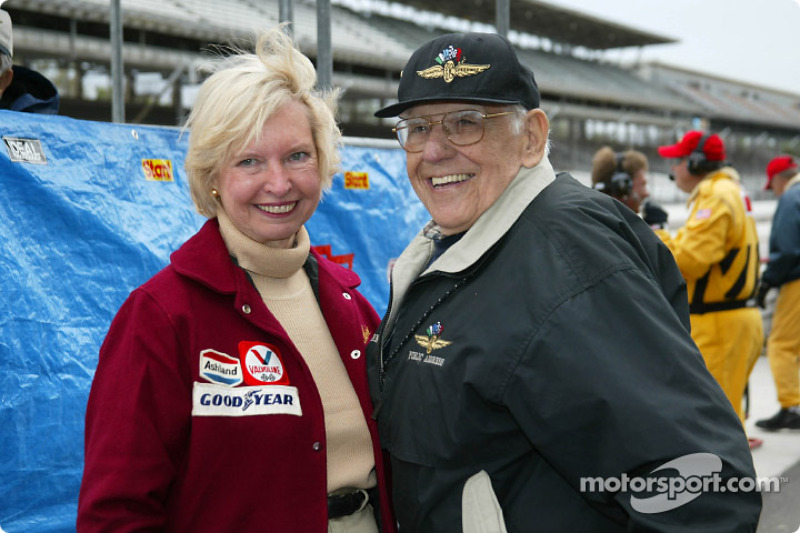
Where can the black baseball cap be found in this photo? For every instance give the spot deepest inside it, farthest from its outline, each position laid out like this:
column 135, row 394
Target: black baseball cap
column 472, row 67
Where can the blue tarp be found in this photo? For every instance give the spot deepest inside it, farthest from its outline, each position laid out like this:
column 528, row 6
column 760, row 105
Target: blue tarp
column 90, row 211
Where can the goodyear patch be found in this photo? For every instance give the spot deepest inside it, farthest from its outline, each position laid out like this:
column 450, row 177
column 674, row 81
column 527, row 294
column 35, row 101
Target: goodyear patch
column 262, row 364
column 25, row 150
column 220, row 368
column 209, row 399
column 157, row 169
column 356, row 180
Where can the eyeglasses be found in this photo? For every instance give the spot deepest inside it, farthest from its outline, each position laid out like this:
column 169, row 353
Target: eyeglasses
column 461, row 127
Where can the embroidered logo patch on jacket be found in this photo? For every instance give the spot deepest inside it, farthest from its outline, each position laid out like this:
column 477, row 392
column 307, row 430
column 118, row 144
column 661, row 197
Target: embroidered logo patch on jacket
column 220, row 368
column 262, row 364
column 432, row 339
column 215, row 400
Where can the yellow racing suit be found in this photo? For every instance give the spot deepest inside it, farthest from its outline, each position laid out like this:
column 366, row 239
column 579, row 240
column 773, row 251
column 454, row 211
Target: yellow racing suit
column 783, row 270
column 717, row 253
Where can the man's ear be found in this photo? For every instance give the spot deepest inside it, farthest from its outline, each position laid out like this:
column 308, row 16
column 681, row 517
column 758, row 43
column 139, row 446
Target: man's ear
column 5, row 79
column 537, row 129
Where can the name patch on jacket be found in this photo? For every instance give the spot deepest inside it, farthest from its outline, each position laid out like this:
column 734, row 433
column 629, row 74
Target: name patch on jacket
column 262, row 364
column 217, row 400
column 221, row 368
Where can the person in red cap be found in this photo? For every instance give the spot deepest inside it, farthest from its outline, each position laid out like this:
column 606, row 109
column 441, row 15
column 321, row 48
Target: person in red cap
column 717, row 253
column 783, row 271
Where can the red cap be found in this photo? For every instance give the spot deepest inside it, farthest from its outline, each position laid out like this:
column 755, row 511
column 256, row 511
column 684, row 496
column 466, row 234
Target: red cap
column 713, row 149
column 778, row 165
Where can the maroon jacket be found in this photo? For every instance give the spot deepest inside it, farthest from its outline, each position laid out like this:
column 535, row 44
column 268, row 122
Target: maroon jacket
column 203, row 416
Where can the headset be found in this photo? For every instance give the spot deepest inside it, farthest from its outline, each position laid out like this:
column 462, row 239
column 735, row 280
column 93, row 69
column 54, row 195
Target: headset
column 697, row 162
column 621, row 183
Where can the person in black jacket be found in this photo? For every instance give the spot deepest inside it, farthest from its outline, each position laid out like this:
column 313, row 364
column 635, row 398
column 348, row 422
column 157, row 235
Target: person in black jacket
column 534, row 370
column 22, row 89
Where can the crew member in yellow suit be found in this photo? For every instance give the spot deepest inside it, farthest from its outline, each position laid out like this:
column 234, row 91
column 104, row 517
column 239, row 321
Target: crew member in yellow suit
column 717, row 253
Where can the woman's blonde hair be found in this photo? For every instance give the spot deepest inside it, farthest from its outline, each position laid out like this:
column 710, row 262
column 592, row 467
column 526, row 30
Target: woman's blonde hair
column 243, row 91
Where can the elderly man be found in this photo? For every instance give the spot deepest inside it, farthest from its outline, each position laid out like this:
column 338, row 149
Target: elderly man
column 535, row 371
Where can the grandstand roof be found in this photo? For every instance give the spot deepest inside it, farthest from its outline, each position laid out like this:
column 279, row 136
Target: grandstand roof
column 216, row 21
column 556, row 23
column 563, row 76
column 172, row 32
column 370, row 47
column 203, row 21
column 722, row 98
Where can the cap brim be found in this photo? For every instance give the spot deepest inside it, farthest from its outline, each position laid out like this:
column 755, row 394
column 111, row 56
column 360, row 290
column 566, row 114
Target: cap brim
column 395, row 109
column 675, row 150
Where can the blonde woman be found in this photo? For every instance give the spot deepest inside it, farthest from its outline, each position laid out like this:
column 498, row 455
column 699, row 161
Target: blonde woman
column 231, row 392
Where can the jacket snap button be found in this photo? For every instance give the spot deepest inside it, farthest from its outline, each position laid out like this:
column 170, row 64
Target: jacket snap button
column 355, row 354
column 346, row 296
column 316, row 446
column 246, row 309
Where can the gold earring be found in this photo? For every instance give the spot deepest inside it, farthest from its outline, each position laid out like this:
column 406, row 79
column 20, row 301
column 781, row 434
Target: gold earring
column 215, row 194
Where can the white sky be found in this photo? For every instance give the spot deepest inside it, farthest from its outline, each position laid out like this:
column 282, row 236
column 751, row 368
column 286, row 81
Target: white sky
column 755, row 41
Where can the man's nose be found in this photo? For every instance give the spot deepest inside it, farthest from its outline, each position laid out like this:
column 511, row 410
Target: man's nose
column 437, row 145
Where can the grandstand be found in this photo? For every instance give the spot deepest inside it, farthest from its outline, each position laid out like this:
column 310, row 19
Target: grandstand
column 590, row 100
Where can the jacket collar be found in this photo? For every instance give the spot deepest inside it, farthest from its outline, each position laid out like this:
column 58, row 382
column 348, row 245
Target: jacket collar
column 205, row 259
column 30, row 92
column 705, row 184
column 792, row 182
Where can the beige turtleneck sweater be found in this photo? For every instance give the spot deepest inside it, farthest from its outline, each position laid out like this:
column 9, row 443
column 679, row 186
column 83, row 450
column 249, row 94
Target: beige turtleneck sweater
column 282, row 282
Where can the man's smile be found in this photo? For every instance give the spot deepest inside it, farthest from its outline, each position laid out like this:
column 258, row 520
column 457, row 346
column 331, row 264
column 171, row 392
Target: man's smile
column 452, row 178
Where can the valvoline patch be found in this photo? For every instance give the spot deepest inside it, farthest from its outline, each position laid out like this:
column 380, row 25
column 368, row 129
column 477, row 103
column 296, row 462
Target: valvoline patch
column 262, row 364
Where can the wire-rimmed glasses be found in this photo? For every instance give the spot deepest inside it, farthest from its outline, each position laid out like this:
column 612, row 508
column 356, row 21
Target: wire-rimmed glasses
column 462, row 128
